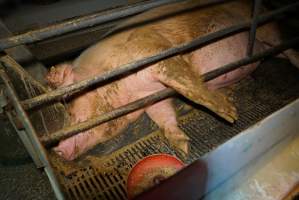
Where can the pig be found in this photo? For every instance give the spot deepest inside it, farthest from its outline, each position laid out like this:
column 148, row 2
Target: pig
column 181, row 72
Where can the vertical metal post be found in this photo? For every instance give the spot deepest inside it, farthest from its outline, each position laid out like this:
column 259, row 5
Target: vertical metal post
column 252, row 33
column 31, row 133
column 27, row 143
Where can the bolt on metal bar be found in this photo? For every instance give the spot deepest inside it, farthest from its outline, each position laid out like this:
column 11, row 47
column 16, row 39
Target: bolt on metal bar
column 252, row 33
column 55, row 137
column 83, row 22
column 28, row 127
column 64, row 92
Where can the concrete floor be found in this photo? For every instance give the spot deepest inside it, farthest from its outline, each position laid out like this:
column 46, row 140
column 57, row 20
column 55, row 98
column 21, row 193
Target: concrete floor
column 19, row 178
column 24, row 182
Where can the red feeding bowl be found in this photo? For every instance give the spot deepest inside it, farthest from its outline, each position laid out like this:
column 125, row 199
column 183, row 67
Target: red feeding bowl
column 150, row 171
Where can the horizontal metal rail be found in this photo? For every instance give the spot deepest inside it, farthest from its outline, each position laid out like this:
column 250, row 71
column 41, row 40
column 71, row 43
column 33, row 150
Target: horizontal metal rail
column 65, row 92
column 55, row 137
column 84, row 22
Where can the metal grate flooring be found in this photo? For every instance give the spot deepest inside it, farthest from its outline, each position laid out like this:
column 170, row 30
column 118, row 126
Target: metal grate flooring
column 102, row 173
column 94, row 183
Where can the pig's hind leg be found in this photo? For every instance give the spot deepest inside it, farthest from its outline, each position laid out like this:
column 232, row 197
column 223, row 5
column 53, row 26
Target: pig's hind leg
column 177, row 74
column 163, row 114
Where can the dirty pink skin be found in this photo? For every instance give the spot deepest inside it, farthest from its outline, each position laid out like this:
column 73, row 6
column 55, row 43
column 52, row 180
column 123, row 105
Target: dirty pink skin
column 209, row 62
column 182, row 72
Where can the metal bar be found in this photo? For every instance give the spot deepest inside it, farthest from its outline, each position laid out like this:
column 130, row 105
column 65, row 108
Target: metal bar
column 23, row 55
column 81, row 23
column 252, row 33
column 22, row 115
column 262, row 142
column 247, row 60
column 65, row 92
column 28, row 127
column 8, row 61
column 53, row 138
column 26, row 141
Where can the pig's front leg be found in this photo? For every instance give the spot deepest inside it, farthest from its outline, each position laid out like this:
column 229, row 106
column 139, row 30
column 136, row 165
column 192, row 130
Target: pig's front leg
column 84, row 108
column 80, row 109
column 79, row 144
column 164, row 115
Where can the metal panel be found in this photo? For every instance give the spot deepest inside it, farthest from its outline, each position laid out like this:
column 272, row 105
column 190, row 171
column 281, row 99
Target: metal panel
column 231, row 157
column 27, row 143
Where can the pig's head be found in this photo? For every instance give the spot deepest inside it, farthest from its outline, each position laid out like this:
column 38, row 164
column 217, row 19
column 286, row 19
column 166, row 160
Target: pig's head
column 60, row 75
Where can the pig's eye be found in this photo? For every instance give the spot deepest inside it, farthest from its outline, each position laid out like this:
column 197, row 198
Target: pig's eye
column 52, row 68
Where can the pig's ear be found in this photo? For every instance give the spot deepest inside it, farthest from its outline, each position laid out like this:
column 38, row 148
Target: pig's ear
column 60, row 75
column 177, row 74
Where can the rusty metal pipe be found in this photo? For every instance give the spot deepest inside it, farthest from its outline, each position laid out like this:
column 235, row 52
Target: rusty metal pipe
column 247, row 60
column 65, row 92
column 85, row 22
column 77, row 24
column 55, row 137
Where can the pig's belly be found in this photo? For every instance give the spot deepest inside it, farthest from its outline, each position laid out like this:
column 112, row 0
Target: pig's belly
column 231, row 77
column 221, row 53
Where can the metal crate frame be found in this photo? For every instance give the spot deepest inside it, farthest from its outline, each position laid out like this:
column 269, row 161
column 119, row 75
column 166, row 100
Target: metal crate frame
column 39, row 144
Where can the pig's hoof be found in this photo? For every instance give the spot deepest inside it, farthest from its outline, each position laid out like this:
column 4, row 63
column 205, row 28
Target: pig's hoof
column 65, row 153
column 295, row 61
column 293, row 56
column 178, row 140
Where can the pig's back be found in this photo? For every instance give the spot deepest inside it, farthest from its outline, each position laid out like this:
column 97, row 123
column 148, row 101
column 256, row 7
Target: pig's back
column 185, row 26
column 115, row 50
column 119, row 48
